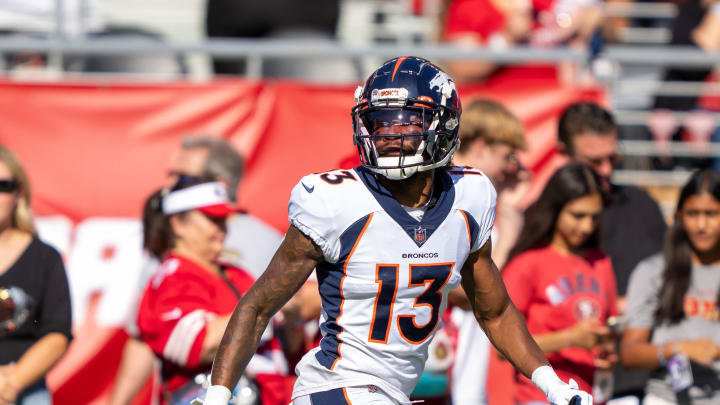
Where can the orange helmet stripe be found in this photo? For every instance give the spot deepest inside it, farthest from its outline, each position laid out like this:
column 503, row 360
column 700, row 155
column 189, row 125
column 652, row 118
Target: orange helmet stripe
column 397, row 66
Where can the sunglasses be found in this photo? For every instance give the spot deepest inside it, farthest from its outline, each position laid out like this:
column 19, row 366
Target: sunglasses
column 184, row 180
column 8, row 186
column 613, row 158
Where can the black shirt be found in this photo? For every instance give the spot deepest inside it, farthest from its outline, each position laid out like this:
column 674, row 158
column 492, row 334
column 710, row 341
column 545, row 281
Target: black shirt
column 40, row 273
column 632, row 228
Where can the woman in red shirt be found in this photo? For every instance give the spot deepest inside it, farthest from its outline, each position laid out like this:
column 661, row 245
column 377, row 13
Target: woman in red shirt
column 563, row 284
column 187, row 304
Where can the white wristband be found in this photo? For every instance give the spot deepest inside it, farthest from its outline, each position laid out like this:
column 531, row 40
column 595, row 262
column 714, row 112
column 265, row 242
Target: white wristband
column 217, row 395
column 544, row 377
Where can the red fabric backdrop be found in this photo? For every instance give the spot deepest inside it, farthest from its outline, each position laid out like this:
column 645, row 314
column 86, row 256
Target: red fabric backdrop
column 98, row 149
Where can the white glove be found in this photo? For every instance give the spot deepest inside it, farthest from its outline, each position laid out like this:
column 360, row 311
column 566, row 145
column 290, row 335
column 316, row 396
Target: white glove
column 563, row 394
column 216, row 395
column 557, row 392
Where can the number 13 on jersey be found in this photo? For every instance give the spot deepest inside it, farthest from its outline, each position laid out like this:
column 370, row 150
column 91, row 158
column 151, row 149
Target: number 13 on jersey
column 433, row 276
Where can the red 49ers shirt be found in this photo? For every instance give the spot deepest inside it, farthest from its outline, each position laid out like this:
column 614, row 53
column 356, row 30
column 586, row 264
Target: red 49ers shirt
column 176, row 306
column 554, row 292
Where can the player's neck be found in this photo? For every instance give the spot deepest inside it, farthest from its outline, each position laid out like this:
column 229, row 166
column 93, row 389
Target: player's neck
column 412, row 192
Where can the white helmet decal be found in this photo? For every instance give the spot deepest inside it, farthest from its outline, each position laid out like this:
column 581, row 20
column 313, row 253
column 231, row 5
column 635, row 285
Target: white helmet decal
column 444, row 84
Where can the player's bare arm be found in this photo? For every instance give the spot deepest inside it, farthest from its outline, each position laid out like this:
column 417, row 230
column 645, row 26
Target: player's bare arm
column 291, row 265
column 505, row 327
column 497, row 315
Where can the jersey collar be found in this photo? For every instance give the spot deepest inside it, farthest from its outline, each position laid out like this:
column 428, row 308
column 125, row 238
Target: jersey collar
column 418, row 231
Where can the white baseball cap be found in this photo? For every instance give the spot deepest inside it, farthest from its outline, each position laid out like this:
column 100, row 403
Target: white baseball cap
column 209, row 198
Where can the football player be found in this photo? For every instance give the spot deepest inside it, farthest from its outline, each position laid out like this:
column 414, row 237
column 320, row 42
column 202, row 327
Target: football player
column 389, row 239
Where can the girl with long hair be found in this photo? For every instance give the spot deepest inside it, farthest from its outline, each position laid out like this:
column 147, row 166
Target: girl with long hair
column 563, row 284
column 34, row 295
column 673, row 297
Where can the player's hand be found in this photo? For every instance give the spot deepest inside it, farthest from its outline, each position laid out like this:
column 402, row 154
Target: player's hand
column 568, row 394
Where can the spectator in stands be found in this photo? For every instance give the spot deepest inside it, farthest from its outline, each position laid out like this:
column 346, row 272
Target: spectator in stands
column 314, row 21
column 500, row 25
column 566, row 22
column 35, row 326
column 569, row 23
column 587, row 133
column 496, row 24
column 188, row 302
column 632, row 224
column 490, row 136
column 673, row 301
column 563, row 284
column 249, row 245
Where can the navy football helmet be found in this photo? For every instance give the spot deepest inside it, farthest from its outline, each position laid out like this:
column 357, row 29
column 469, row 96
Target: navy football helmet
column 407, row 93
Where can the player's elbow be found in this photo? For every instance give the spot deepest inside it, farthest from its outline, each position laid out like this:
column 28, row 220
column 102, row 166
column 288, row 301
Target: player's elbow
column 496, row 312
column 259, row 310
column 256, row 315
column 500, row 318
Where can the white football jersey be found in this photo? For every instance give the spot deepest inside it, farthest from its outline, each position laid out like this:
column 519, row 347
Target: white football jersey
column 386, row 276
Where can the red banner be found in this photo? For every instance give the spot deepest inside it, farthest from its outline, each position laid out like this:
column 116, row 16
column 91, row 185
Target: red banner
column 95, row 151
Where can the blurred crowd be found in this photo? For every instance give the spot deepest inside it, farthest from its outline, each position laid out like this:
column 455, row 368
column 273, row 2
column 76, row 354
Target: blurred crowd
column 619, row 300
